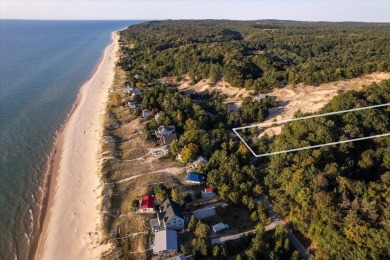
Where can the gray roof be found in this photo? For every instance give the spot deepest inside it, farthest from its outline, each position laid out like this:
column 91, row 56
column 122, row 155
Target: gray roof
column 167, row 139
column 165, row 240
column 169, row 209
column 167, row 128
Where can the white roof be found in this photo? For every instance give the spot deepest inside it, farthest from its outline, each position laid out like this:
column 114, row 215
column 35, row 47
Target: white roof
column 165, row 240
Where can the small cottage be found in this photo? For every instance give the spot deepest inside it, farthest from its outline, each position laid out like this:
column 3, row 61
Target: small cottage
column 147, row 204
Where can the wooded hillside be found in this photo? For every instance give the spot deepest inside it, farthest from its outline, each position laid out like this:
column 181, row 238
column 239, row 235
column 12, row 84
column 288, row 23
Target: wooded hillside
column 256, row 54
column 338, row 195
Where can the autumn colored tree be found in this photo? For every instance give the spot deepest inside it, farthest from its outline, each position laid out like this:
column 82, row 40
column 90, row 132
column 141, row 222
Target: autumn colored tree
column 189, row 152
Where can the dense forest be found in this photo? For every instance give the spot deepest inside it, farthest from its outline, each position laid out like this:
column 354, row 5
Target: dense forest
column 255, row 54
column 338, row 196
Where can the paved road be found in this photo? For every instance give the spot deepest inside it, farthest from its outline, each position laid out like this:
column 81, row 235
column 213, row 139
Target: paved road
column 221, row 240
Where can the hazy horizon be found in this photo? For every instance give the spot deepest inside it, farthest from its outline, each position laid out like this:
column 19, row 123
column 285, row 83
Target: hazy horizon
column 375, row 11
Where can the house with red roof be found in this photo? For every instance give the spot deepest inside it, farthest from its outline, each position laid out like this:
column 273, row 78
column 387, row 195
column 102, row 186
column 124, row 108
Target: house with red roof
column 147, row 204
column 208, row 193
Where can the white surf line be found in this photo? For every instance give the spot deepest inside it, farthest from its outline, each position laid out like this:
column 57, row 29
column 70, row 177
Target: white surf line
column 308, row 117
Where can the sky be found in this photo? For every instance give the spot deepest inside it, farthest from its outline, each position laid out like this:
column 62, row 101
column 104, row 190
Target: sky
column 302, row 10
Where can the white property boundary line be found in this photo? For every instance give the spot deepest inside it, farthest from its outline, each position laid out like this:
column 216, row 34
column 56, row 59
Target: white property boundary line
column 308, row 117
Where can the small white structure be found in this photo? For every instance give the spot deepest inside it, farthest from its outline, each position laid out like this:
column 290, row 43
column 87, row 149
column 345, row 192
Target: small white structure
column 136, row 76
column 219, row 227
column 157, row 116
column 165, row 241
column 146, row 113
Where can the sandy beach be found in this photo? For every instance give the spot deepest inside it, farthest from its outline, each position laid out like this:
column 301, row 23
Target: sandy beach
column 72, row 220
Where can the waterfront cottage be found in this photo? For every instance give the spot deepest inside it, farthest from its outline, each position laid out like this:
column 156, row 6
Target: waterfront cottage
column 165, row 241
column 170, row 216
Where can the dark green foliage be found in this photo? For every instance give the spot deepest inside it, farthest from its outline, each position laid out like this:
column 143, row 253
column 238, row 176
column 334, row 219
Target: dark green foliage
column 338, row 196
column 256, row 54
column 161, row 192
column 278, row 246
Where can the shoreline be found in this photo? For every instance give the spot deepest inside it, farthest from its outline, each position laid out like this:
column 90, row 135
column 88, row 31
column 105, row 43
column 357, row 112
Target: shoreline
column 50, row 207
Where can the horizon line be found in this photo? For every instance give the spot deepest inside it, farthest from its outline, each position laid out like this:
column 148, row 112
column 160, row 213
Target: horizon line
column 196, row 19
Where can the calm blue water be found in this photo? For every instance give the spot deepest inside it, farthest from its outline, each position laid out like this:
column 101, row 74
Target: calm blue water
column 42, row 66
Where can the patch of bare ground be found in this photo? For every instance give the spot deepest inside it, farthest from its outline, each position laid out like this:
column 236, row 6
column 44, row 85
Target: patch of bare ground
column 310, row 99
column 233, row 94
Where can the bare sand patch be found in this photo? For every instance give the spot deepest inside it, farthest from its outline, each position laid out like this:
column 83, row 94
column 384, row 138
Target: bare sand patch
column 309, row 99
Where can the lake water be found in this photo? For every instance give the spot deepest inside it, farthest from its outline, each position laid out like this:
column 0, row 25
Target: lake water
column 42, row 66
